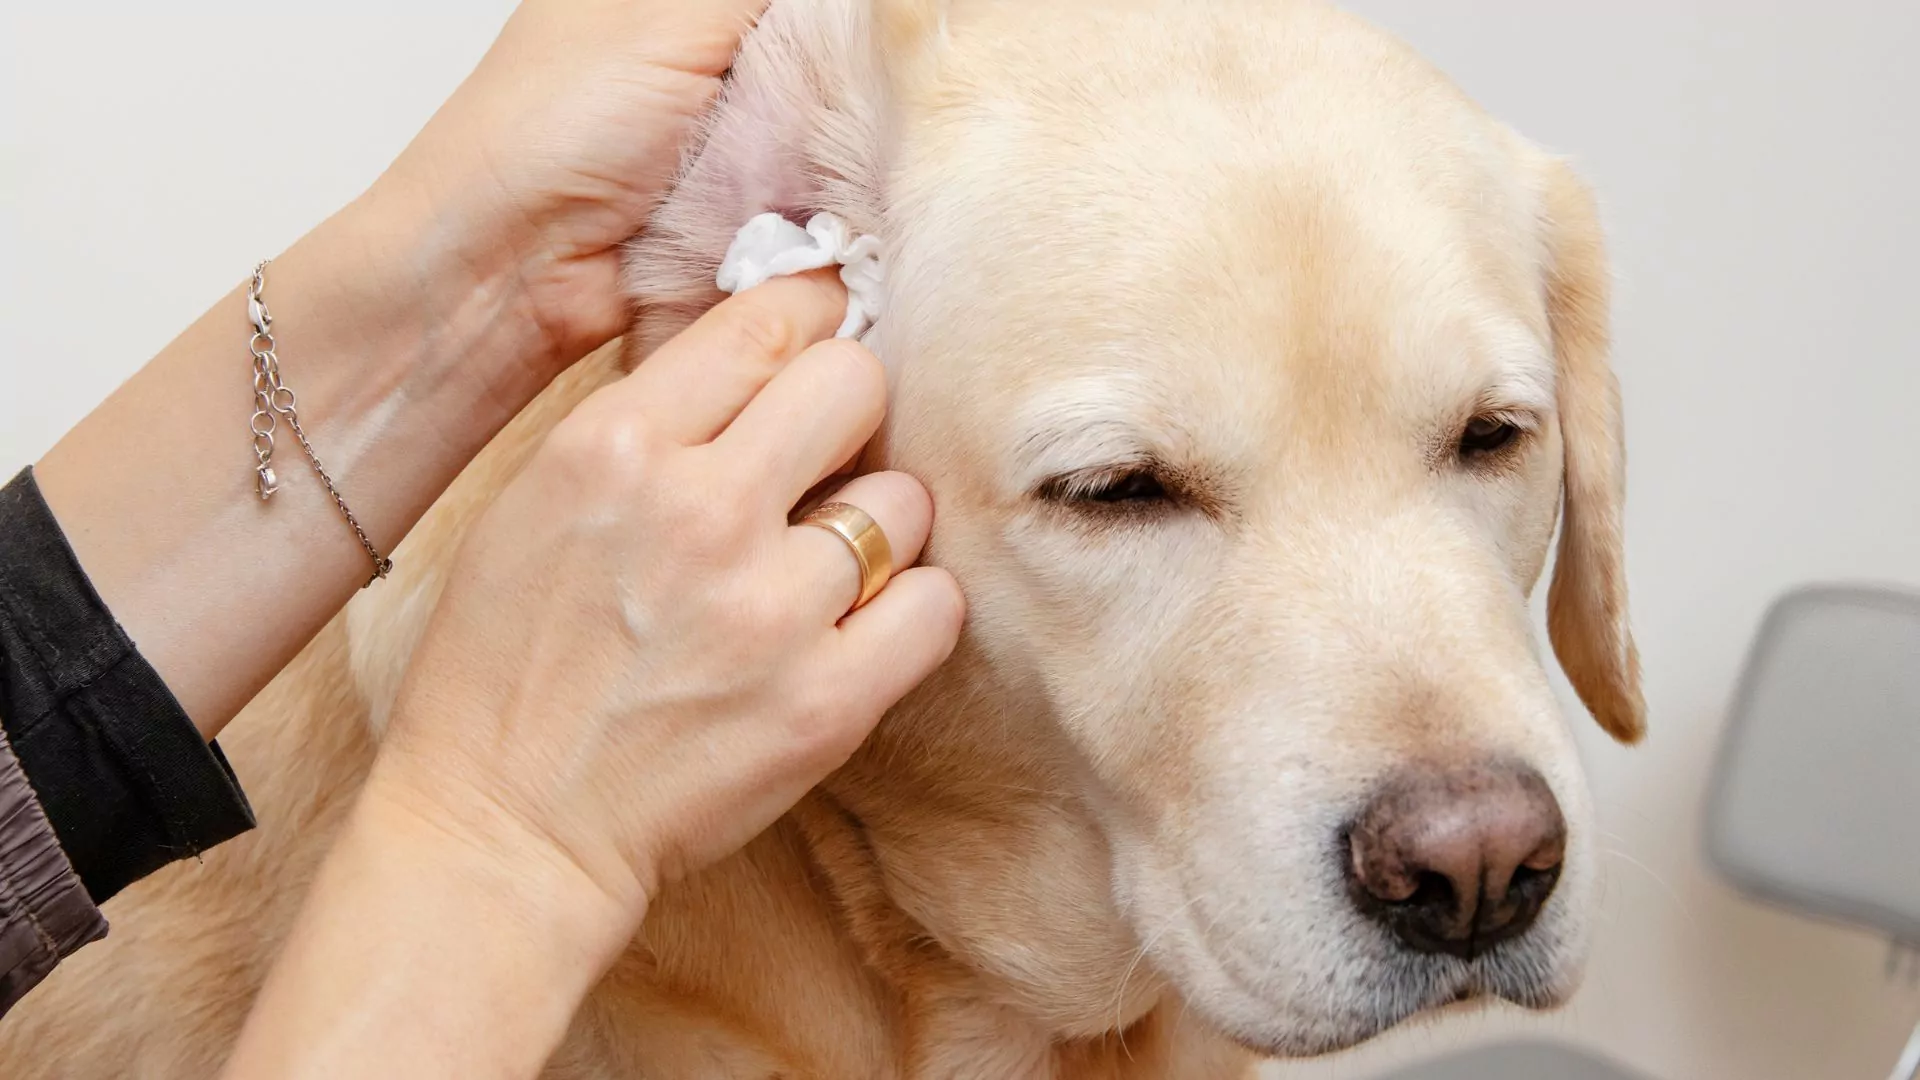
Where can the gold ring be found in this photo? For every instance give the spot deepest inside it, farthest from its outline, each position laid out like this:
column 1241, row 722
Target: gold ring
column 864, row 538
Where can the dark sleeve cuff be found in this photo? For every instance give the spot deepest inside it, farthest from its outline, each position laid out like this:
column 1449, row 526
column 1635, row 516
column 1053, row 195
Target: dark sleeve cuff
column 45, row 913
column 121, row 772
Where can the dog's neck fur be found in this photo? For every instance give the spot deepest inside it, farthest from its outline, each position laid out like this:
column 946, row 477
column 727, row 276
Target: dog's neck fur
column 980, row 837
column 972, row 880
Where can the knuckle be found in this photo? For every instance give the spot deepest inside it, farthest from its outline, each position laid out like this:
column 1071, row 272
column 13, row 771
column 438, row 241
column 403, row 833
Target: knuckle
column 601, row 450
column 764, row 330
column 824, row 720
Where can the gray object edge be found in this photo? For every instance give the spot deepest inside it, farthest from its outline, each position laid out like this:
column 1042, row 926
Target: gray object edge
column 1803, row 901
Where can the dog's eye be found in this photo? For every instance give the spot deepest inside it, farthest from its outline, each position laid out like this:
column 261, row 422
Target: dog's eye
column 1486, row 435
column 1117, row 487
column 1138, row 486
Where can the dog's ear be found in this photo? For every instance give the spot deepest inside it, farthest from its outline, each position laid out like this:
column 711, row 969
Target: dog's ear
column 798, row 130
column 1587, row 602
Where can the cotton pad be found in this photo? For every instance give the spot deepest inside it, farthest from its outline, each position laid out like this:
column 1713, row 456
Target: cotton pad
column 770, row 246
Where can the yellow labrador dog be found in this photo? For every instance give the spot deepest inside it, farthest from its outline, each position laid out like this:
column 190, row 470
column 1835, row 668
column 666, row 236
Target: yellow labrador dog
column 1250, row 365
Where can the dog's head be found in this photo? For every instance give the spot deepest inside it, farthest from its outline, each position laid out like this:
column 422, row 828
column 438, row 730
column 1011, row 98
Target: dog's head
column 1250, row 366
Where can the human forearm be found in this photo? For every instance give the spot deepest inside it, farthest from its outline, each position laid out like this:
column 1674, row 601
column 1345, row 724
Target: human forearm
column 425, row 951
column 411, row 326
column 407, row 349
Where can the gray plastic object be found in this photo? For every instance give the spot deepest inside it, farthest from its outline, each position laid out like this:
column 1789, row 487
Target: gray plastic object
column 1815, row 799
column 1519, row 1061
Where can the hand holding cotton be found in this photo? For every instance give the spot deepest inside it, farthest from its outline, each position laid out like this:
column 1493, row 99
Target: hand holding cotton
column 770, row 246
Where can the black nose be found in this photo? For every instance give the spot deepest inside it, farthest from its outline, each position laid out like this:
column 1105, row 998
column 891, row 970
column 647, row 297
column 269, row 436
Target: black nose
column 1457, row 861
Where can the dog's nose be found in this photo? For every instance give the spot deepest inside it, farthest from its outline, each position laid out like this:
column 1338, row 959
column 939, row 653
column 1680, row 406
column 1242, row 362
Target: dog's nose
column 1457, row 861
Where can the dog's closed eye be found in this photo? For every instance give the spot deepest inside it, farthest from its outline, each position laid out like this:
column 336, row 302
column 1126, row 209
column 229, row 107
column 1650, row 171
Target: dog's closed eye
column 1132, row 486
column 1487, row 435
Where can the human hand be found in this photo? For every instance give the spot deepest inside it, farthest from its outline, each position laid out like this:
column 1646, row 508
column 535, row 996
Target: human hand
column 639, row 664
column 561, row 143
column 414, row 324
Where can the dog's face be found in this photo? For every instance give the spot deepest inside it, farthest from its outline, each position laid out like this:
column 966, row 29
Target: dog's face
column 1248, row 363
column 1235, row 380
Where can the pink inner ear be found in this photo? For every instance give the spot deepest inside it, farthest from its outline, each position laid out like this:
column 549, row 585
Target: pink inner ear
column 794, row 132
column 757, row 144
column 752, row 160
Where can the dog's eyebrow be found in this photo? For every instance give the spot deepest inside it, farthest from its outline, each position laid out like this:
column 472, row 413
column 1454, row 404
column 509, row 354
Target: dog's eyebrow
column 1084, row 422
column 1524, row 387
column 1523, row 375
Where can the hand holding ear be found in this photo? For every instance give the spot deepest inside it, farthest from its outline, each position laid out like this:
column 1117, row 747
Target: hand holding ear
column 562, row 142
column 639, row 663
column 637, row 666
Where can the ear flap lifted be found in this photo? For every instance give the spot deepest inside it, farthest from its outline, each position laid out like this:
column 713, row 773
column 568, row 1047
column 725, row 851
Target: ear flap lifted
column 1587, row 602
column 797, row 131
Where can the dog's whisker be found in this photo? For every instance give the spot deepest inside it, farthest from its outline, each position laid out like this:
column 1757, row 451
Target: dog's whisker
column 1120, row 992
column 1673, row 894
column 1617, row 806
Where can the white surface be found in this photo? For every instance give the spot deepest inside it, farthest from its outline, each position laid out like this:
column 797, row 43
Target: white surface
column 1758, row 165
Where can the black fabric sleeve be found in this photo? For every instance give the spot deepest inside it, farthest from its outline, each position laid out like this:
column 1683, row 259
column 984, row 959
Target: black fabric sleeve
column 123, row 775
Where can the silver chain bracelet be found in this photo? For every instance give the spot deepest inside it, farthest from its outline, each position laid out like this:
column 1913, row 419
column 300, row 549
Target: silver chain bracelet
column 274, row 399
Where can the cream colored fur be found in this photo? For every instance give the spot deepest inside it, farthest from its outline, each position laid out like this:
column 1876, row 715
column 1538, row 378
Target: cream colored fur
column 1251, row 241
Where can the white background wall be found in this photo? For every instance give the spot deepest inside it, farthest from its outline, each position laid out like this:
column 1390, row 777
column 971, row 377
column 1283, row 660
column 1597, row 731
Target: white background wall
column 1760, row 165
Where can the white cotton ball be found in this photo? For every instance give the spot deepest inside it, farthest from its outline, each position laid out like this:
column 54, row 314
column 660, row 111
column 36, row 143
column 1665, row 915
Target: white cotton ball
column 770, row 246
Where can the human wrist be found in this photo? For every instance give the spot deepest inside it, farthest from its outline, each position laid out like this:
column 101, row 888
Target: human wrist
column 408, row 345
column 503, row 865
column 410, row 297
column 406, row 910
column 404, row 362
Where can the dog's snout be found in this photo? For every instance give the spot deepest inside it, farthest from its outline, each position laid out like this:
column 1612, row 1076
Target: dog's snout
column 1457, row 861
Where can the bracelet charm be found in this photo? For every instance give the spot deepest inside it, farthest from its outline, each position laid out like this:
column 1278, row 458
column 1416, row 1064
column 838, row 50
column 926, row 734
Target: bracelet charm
column 273, row 399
